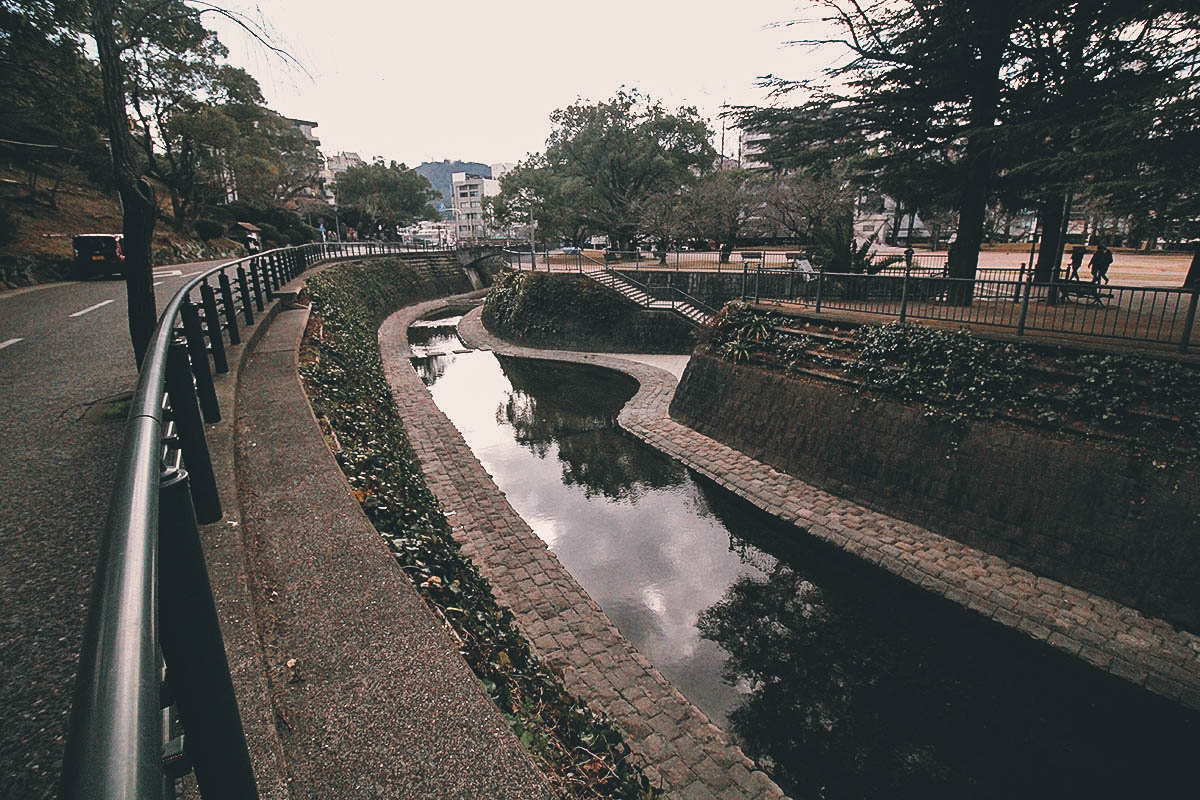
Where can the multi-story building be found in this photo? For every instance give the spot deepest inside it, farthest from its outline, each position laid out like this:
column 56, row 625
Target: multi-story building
column 467, row 193
column 306, row 128
column 334, row 166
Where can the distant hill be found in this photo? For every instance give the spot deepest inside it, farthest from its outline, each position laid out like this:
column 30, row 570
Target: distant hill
column 439, row 172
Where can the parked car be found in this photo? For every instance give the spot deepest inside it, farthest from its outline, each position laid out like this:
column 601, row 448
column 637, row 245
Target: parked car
column 98, row 254
column 571, row 251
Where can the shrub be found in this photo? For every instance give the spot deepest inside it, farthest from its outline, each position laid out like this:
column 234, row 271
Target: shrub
column 271, row 234
column 209, row 229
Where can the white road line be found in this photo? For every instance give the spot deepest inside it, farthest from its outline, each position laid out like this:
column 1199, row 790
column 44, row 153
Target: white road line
column 190, row 274
column 9, row 342
column 89, row 309
column 170, row 273
column 159, row 283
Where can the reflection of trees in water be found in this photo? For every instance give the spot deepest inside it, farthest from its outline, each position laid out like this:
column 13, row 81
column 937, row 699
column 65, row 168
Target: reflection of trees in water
column 576, row 408
column 862, row 686
column 832, row 710
column 430, row 368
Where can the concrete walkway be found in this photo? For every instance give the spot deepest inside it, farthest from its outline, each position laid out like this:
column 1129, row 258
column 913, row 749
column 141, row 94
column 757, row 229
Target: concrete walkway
column 369, row 694
column 1117, row 639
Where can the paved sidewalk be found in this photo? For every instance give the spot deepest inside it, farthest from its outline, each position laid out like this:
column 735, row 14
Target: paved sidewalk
column 370, row 696
column 1145, row 651
column 677, row 746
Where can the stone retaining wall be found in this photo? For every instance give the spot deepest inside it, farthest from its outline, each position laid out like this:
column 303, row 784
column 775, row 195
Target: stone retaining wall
column 1081, row 514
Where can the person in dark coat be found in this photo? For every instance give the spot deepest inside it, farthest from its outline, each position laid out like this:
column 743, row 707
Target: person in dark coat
column 1077, row 254
column 1101, row 260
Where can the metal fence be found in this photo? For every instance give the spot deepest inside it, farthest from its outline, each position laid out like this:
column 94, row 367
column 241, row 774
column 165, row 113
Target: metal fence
column 1004, row 298
column 1135, row 313
column 152, row 649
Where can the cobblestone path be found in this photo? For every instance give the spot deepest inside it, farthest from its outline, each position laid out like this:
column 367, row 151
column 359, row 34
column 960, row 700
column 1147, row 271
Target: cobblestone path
column 1148, row 652
column 678, row 747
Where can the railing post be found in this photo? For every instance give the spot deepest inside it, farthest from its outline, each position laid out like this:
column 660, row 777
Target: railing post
column 1190, row 322
column 198, row 354
column 820, row 287
column 256, row 278
column 744, row 277
column 757, row 280
column 231, row 321
column 190, row 634
column 1020, row 280
column 244, row 291
column 190, row 430
column 1025, row 303
column 212, row 327
column 904, row 291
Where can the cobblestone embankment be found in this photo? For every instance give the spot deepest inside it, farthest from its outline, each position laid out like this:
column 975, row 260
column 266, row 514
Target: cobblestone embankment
column 676, row 744
column 1146, row 651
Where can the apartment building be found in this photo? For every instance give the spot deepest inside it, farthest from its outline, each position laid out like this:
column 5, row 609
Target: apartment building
column 467, row 193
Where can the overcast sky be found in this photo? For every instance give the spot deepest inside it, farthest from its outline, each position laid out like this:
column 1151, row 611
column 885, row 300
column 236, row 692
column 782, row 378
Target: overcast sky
column 477, row 79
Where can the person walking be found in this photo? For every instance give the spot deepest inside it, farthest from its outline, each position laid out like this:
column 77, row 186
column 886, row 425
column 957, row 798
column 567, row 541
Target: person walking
column 1101, row 260
column 1077, row 254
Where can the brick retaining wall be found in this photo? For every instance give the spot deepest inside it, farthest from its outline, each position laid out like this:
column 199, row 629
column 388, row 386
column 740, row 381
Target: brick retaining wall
column 1067, row 509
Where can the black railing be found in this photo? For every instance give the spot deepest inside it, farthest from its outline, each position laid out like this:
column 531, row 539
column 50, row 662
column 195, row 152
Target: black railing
column 1016, row 303
column 152, row 603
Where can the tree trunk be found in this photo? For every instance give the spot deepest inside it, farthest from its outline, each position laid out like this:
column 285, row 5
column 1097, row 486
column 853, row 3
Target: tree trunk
column 1050, row 212
column 137, row 198
column 178, row 210
column 994, row 28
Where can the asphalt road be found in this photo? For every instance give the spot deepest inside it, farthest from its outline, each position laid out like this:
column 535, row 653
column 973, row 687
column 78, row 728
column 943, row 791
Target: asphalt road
column 64, row 356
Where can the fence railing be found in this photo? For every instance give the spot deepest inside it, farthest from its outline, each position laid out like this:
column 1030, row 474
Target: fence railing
column 151, row 603
column 1136, row 313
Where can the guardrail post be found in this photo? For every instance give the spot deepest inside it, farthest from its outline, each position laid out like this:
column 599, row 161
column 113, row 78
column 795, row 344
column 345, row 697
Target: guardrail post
column 1190, row 322
column 190, row 430
column 820, row 287
column 744, row 277
column 904, row 291
column 198, row 354
column 190, row 634
column 256, row 279
column 244, row 291
column 212, row 327
column 1025, row 303
column 1020, row 280
column 231, row 322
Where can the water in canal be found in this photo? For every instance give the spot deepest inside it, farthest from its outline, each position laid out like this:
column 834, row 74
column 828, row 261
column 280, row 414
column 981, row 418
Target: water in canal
column 842, row 681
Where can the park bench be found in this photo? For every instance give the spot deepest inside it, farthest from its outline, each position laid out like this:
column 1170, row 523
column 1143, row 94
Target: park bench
column 752, row 259
column 1081, row 290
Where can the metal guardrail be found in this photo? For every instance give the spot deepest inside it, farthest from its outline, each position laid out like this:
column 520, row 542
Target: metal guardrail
column 152, row 603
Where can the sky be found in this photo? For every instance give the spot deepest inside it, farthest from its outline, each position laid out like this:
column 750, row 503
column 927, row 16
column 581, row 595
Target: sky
column 477, row 80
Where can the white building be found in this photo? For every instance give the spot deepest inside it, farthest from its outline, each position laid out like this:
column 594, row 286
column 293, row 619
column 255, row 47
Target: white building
column 467, row 193
column 334, row 166
column 502, row 169
column 750, row 147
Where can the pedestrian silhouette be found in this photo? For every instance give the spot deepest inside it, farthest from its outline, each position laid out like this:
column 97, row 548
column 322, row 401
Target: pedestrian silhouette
column 1077, row 254
column 1101, row 260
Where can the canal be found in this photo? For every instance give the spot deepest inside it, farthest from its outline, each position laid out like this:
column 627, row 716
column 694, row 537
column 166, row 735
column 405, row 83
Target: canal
column 839, row 679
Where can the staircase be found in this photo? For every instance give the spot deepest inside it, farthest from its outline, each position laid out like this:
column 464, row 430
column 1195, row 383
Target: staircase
column 685, row 306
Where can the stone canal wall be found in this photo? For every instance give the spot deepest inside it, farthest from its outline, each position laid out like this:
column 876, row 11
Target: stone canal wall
column 1090, row 517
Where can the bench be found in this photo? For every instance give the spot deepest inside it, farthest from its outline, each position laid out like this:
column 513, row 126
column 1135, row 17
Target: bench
column 752, row 259
column 1081, row 290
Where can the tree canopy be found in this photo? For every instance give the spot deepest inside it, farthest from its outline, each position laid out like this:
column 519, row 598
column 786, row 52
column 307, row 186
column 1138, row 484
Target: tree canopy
column 389, row 194
column 604, row 160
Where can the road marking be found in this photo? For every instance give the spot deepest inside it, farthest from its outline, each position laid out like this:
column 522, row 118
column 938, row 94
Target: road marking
column 190, row 274
column 10, row 341
column 89, row 309
column 170, row 273
column 159, row 283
